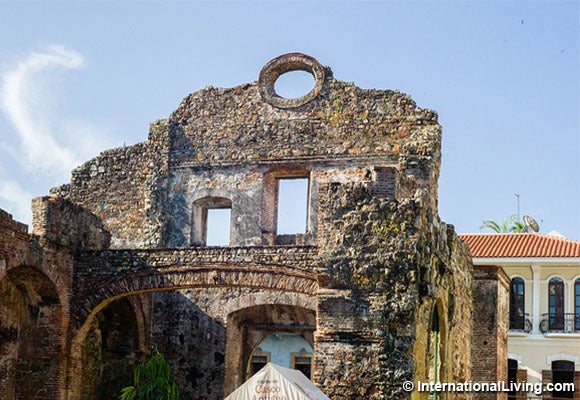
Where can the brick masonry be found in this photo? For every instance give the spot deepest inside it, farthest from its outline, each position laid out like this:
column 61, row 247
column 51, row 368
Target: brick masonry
column 490, row 327
column 116, row 263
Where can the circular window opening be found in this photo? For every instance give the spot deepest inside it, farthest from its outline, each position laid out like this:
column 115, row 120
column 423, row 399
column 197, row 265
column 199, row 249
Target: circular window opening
column 294, row 84
column 291, row 62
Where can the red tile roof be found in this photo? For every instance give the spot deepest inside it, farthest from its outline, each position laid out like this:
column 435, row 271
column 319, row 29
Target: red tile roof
column 524, row 245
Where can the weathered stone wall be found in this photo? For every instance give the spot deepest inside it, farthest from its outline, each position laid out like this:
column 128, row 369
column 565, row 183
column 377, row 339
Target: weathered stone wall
column 224, row 142
column 236, row 125
column 386, row 265
column 126, row 188
column 253, row 203
column 14, row 242
column 63, row 223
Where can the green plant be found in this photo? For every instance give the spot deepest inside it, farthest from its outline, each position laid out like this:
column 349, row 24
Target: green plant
column 152, row 381
column 508, row 225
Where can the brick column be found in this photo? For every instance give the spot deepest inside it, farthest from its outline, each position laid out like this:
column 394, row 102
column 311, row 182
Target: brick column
column 490, row 326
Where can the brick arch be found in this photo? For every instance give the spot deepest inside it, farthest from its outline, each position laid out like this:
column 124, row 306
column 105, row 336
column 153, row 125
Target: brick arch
column 40, row 318
column 248, row 326
column 74, row 384
column 52, row 272
column 282, row 279
column 299, row 288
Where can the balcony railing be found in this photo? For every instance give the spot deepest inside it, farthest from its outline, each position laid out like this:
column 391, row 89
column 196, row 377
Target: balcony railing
column 560, row 323
column 520, row 323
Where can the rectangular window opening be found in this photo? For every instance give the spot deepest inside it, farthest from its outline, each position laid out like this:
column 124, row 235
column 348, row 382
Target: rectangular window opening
column 257, row 363
column 218, row 226
column 292, row 206
column 303, row 364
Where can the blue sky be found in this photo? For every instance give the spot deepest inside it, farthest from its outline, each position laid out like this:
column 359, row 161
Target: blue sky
column 79, row 77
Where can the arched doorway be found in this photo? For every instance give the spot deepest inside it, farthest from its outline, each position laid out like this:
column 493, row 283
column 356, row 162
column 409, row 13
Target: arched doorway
column 31, row 336
column 110, row 351
column 249, row 329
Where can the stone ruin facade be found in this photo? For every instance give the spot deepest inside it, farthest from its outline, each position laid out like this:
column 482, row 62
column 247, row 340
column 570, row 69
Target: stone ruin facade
column 117, row 262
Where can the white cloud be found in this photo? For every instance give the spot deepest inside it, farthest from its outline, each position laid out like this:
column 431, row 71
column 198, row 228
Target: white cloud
column 46, row 143
column 22, row 101
column 18, row 198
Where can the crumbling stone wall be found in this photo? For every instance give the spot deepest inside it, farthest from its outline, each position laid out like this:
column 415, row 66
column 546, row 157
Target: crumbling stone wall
column 386, row 267
column 373, row 279
column 125, row 187
column 220, row 142
column 60, row 222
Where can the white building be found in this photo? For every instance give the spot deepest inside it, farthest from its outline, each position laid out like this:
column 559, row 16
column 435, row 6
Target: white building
column 544, row 306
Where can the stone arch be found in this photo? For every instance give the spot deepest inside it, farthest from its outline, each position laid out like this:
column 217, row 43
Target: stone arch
column 281, row 279
column 32, row 332
column 247, row 327
column 59, row 278
column 295, row 289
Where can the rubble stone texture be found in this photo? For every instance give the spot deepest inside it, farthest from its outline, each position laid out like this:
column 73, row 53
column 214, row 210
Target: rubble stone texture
column 117, row 262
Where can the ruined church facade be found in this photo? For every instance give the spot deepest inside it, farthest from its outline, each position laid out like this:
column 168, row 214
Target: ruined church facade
column 118, row 263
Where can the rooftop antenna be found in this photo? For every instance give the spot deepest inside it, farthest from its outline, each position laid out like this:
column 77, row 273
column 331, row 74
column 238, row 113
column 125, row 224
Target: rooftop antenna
column 530, row 225
column 518, row 197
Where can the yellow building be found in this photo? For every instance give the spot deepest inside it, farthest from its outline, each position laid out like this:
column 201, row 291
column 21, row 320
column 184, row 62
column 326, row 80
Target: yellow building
column 544, row 306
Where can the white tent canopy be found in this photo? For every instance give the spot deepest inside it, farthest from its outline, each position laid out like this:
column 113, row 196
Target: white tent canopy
column 274, row 382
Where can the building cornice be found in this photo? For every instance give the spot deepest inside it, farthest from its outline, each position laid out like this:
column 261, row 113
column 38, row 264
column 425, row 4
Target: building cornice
column 527, row 261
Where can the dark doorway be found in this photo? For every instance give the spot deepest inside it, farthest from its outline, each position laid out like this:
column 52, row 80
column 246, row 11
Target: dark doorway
column 563, row 372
